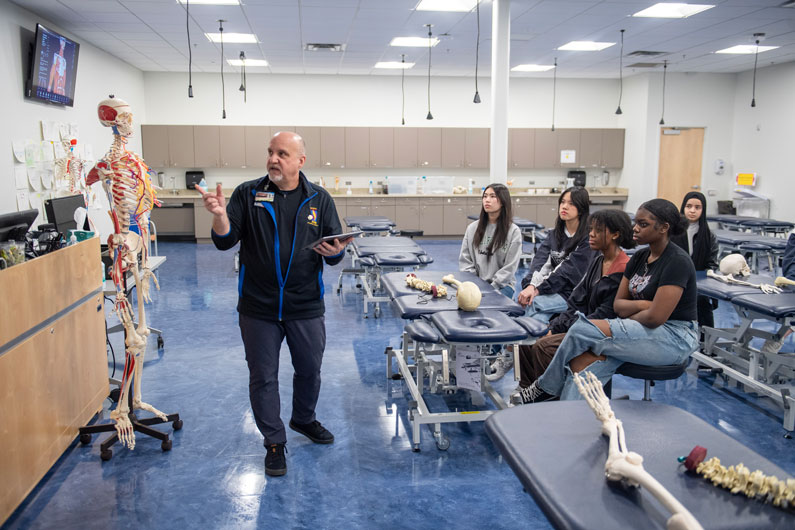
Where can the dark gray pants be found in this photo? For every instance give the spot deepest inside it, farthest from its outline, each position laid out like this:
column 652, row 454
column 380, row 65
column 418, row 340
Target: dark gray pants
column 262, row 340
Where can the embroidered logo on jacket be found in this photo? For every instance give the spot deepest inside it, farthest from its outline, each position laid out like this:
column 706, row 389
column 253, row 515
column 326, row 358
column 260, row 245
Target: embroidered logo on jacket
column 312, row 217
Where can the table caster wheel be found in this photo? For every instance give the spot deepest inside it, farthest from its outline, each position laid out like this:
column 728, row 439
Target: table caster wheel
column 443, row 443
column 166, row 445
column 160, row 342
column 85, row 438
column 177, row 425
column 416, row 448
column 106, row 455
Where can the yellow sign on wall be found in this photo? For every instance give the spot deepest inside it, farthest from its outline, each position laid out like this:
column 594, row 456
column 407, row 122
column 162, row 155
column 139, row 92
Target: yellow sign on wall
column 746, row 179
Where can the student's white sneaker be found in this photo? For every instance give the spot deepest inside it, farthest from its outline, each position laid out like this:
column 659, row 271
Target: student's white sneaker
column 771, row 346
column 499, row 368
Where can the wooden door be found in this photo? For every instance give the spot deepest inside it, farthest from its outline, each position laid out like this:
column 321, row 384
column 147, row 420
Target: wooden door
column 681, row 151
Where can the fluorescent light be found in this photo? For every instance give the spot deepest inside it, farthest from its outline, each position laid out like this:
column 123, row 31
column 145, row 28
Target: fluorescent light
column 532, row 67
column 586, row 46
column 414, row 41
column 233, row 38
column 394, row 64
column 213, row 2
column 746, row 49
column 672, row 10
column 247, row 62
column 463, row 6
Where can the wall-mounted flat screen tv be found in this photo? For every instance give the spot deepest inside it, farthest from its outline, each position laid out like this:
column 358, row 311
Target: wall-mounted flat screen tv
column 53, row 70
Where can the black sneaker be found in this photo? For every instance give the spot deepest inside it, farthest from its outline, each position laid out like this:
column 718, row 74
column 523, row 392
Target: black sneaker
column 314, row 431
column 530, row 394
column 275, row 462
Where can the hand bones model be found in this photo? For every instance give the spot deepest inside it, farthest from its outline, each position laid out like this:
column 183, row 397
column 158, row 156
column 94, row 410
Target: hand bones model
column 468, row 294
column 625, row 465
column 126, row 179
column 728, row 278
column 437, row 291
column 69, row 169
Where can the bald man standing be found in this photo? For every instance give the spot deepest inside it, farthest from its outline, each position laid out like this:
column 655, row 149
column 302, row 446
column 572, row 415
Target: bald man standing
column 280, row 289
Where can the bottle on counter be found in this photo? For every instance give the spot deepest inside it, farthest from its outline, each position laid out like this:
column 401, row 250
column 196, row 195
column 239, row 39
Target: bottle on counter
column 370, row 189
column 421, row 185
column 469, row 188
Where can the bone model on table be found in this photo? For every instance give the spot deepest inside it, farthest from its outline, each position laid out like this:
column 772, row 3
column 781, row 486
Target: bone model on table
column 739, row 479
column 69, row 170
column 781, row 281
column 127, row 181
column 734, row 265
column 437, row 291
column 468, row 294
column 728, row 278
column 623, row 464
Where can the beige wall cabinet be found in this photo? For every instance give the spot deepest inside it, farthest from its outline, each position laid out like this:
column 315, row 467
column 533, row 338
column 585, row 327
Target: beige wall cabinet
column 203, row 222
column 476, row 152
column 233, row 147
column 180, row 146
column 521, row 148
column 590, row 155
column 256, row 140
column 357, row 147
column 525, row 207
column 358, row 206
column 382, row 147
column 546, row 151
column 405, row 147
column 429, row 147
column 431, row 216
column 547, row 212
column 332, row 147
column 455, row 216
column 311, row 136
column 154, row 140
column 174, row 219
column 206, row 145
column 341, row 204
column 384, row 206
column 474, row 205
column 454, row 143
column 407, row 213
column 613, row 148
column 568, row 140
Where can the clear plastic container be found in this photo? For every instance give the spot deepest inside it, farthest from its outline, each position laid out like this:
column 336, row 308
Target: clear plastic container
column 12, row 252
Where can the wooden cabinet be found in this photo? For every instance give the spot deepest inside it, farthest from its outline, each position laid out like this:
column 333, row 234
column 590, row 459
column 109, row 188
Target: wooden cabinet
column 357, row 147
column 590, row 155
column 432, row 216
column 206, row 145
column 202, row 222
column 546, row 149
column 154, row 140
column 613, row 148
column 385, row 206
column 382, row 147
column 311, row 136
column 405, row 147
column 340, row 204
column 525, row 207
column 429, row 147
column 358, row 206
column 407, row 213
column 521, row 148
column 547, row 211
column 256, row 140
column 453, row 147
column 568, row 140
column 175, row 219
column 233, row 147
column 601, row 148
column 455, row 216
column 180, row 146
column 474, row 205
column 332, row 147
column 477, row 149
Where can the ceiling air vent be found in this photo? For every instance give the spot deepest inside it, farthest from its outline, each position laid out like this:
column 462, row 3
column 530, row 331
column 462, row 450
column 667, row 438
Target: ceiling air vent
column 324, row 46
column 645, row 53
column 644, row 65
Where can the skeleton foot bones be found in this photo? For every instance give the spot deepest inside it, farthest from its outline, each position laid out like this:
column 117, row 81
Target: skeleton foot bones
column 624, row 465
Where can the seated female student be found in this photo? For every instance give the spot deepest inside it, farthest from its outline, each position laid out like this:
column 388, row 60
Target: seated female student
column 701, row 244
column 492, row 245
column 656, row 306
column 611, row 230
column 560, row 261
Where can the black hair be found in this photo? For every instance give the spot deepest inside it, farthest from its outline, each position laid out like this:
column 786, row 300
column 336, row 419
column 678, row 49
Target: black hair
column 701, row 242
column 581, row 200
column 664, row 211
column 617, row 222
column 503, row 221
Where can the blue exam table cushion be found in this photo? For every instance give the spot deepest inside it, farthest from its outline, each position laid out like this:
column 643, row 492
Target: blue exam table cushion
column 718, row 290
column 421, row 331
column 417, row 304
column 535, row 328
column 479, row 327
column 396, row 259
column 774, row 305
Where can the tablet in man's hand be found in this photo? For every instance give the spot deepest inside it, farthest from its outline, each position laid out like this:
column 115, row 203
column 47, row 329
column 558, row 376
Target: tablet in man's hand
column 341, row 237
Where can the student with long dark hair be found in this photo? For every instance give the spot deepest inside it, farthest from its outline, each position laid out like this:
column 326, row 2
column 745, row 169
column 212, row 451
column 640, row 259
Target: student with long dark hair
column 701, row 244
column 656, row 306
column 611, row 231
column 561, row 260
column 492, row 245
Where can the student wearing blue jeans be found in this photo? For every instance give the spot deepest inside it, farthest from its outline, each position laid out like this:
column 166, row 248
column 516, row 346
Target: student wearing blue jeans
column 656, row 306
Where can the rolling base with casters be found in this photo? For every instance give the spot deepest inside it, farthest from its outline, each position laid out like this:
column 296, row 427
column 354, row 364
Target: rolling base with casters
column 142, row 426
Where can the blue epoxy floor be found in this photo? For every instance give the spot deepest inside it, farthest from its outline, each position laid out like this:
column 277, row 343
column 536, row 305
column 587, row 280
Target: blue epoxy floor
column 213, row 477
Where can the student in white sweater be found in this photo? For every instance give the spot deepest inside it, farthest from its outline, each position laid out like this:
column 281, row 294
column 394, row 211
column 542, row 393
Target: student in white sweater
column 492, row 245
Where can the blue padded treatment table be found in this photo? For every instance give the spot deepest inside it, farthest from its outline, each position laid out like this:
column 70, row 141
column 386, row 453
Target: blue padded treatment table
column 367, row 246
column 356, row 220
column 558, row 453
column 732, row 238
column 395, row 282
column 724, row 291
column 751, row 223
column 477, row 327
column 419, row 304
column 774, row 306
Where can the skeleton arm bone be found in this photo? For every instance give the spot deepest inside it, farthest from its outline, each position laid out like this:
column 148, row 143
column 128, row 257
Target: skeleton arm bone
column 728, row 278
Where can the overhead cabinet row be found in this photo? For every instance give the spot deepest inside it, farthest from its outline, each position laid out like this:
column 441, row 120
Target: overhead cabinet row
column 206, row 146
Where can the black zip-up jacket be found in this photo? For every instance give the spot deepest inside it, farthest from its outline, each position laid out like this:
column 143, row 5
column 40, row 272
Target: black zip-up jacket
column 263, row 291
column 594, row 295
column 568, row 274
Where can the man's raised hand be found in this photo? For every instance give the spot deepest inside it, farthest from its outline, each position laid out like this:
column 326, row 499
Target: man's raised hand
column 213, row 202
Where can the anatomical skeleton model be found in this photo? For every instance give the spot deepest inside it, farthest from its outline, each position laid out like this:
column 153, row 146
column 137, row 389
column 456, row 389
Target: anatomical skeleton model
column 730, row 279
column 126, row 179
column 437, row 291
column 468, row 294
column 625, row 465
column 69, row 170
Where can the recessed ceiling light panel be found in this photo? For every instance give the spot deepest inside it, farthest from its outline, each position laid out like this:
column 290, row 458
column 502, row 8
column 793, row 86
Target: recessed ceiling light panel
column 746, row 49
column 463, row 6
column 672, row 10
column 394, row 64
column 247, row 62
column 532, row 67
column 417, row 42
column 233, row 38
column 586, row 46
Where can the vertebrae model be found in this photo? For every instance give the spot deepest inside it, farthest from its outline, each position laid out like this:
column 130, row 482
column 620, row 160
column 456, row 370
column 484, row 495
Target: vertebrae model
column 125, row 178
column 437, row 291
column 625, row 465
column 69, row 170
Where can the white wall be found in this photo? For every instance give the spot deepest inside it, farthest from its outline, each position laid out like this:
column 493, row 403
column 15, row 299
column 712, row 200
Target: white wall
column 99, row 74
column 764, row 135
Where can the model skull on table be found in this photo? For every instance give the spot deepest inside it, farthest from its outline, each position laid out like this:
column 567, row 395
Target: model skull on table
column 126, row 179
column 735, row 265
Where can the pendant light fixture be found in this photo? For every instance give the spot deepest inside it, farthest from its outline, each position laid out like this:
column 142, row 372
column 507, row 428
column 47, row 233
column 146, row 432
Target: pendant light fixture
column 477, row 56
column 223, row 88
column 662, row 116
column 620, row 74
column 430, row 45
column 403, row 89
column 758, row 38
column 554, row 90
column 243, row 74
column 190, row 54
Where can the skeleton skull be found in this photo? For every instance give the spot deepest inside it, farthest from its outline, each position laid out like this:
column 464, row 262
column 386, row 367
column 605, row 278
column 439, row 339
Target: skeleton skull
column 735, row 265
column 114, row 112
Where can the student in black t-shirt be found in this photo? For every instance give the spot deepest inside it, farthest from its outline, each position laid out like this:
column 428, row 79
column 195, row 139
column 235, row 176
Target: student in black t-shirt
column 656, row 305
